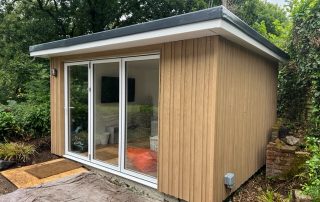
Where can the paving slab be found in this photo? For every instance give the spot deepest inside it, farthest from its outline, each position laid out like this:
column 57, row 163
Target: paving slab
column 22, row 179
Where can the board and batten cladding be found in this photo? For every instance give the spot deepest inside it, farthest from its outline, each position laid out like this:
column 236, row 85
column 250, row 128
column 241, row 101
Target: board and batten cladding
column 187, row 105
column 246, row 111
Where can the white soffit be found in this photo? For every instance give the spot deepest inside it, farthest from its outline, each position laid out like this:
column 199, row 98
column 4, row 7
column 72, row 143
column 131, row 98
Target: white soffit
column 194, row 30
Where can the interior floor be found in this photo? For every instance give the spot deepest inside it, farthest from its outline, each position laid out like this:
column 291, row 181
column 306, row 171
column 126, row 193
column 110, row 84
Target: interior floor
column 139, row 156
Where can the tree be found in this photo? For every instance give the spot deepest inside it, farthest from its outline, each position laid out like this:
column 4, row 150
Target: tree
column 268, row 19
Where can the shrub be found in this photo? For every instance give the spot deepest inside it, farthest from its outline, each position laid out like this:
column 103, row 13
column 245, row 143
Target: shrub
column 33, row 119
column 24, row 120
column 272, row 196
column 18, row 152
column 8, row 127
column 312, row 185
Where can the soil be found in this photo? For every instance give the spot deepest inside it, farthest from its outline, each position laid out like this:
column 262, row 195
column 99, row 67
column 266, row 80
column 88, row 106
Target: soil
column 43, row 154
column 258, row 184
column 6, row 186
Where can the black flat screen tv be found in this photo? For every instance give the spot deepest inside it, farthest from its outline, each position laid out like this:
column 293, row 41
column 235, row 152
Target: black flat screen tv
column 110, row 89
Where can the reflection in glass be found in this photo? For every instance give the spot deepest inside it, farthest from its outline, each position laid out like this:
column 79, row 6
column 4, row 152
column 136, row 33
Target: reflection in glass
column 106, row 112
column 142, row 85
column 78, row 109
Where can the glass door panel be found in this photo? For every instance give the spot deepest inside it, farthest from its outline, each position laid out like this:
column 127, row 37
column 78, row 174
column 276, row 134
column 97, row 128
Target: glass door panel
column 106, row 112
column 77, row 106
column 141, row 116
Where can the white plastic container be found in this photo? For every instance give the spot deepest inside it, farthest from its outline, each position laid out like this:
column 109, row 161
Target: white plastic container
column 154, row 143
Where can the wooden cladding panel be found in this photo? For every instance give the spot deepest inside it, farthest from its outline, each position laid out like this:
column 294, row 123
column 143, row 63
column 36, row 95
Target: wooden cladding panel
column 57, row 107
column 187, row 104
column 246, row 111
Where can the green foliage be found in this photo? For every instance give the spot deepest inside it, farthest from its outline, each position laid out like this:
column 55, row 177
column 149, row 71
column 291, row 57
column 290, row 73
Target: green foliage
column 24, row 120
column 145, row 10
column 268, row 19
column 18, row 152
column 299, row 89
column 34, row 120
column 292, row 97
column 272, row 196
column 24, row 23
column 8, row 127
column 312, row 186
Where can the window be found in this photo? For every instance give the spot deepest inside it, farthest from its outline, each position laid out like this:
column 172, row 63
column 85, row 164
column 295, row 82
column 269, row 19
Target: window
column 112, row 114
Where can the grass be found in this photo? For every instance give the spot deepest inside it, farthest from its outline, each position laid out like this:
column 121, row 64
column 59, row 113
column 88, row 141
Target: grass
column 18, row 152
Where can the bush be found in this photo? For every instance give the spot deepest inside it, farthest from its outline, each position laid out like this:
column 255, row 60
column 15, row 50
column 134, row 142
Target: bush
column 24, row 120
column 272, row 196
column 33, row 119
column 8, row 126
column 312, row 185
column 18, row 152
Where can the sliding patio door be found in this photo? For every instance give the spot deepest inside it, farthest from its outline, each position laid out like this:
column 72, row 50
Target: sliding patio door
column 141, row 116
column 77, row 109
column 106, row 111
column 112, row 114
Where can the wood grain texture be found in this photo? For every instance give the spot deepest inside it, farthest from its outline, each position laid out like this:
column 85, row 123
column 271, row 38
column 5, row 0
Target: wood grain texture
column 57, row 107
column 187, row 103
column 245, row 113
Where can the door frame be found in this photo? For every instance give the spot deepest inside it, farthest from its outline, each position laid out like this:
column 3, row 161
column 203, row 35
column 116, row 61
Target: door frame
column 92, row 102
column 66, row 109
column 123, row 115
column 120, row 169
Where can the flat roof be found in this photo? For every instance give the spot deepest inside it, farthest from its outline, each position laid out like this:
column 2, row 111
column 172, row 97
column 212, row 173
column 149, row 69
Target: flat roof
column 212, row 21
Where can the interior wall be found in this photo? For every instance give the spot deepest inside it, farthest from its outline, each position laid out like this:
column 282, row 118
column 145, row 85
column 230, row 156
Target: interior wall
column 102, row 69
column 144, row 81
column 246, row 112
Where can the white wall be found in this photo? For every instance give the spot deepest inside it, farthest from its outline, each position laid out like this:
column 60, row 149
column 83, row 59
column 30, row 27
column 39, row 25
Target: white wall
column 145, row 73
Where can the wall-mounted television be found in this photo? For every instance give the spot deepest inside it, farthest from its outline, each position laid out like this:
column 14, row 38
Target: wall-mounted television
column 110, row 89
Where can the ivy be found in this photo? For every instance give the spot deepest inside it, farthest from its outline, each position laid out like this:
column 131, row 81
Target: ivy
column 299, row 80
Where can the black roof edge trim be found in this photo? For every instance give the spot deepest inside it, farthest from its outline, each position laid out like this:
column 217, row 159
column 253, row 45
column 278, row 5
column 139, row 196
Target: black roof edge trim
column 219, row 12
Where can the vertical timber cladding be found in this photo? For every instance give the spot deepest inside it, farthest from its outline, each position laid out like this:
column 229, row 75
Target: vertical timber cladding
column 57, row 107
column 187, row 105
column 246, row 111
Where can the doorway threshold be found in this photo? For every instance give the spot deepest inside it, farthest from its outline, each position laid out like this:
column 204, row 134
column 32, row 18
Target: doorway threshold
column 120, row 174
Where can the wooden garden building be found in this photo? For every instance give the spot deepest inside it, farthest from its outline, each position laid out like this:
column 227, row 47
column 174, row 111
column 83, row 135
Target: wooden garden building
column 183, row 104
